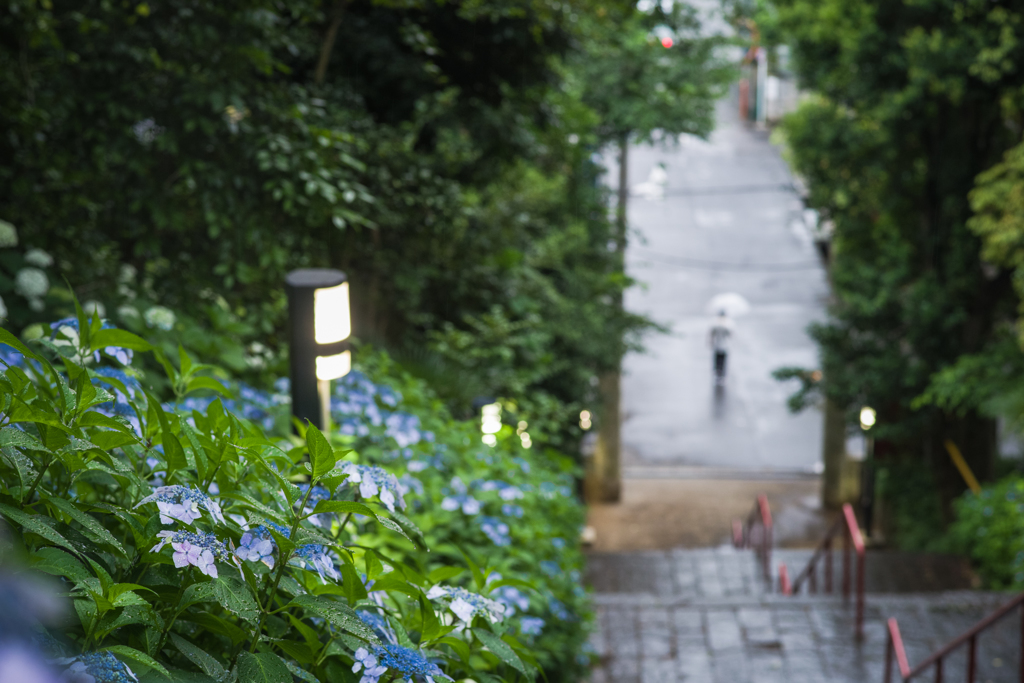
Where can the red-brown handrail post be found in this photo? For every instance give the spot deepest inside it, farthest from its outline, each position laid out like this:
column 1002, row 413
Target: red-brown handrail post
column 936, row 659
column 828, row 566
column 766, row 523
column 743, row 534
column 858, row 545
column 847, row 543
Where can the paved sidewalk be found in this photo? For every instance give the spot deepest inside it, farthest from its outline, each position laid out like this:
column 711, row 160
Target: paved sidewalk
column 703, row 615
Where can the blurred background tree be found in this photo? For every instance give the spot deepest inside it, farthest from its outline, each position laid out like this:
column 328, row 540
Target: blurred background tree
column 186, row 155
column 909, row 103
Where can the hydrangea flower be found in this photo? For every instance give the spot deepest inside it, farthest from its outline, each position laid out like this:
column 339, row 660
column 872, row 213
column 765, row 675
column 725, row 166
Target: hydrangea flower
column 379, row 624
column 66, row 333
column 510, row 510
column 199, row 550
column 31, row 283
column 550, row 568
column 531, row 626
column 182, row 503
column 375, row 481
column 467, row 503
column 160, row 317
column 367, row 663
column 496, row 530
column 8, row 235
column 559, row 610
column 509, row 596
column 254, row 546
column 97, row 667
column 322, row 520
column 404, row 428
column 467, row 605
column 38, row 258
column 405, row 661
column 505, row 491
column 24, row 664
column 316, row 555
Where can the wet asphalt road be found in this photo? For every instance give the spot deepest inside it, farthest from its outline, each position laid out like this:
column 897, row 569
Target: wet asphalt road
column 728, row 222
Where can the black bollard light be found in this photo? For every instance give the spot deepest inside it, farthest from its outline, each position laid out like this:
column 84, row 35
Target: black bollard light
column 318, row 326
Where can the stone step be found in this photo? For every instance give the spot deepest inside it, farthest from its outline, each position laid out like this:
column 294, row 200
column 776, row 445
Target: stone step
column 770, row 639
column 726, row 572
column 703, row 615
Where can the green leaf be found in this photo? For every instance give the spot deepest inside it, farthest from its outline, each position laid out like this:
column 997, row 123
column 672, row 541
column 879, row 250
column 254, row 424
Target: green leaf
column 299, row 673
column 9, row 339
column 209, row 383
column 346, row 506
column 321, row 455
column 131, row 654
column 120, row 338
column 262, row 667
column 205, row 661
column 11, row 436
column 58, row 563
column 504, row 652
column 339, row 614
column 93, row 528
column 431, row 626
column 34, row 524
column 460, row 647
column 234, row 595
column 197, row 592
column 444, row 573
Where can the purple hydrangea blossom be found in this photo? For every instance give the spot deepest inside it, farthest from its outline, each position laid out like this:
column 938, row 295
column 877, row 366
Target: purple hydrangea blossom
column 322, row 520
column 531, row 626
column 466, row 605
column 316, row 556
column 496, row 530
column 405, row 661
column 182, row 503
column 255, row 547
column 197, row 549
column 375, row 481
column 97, row 667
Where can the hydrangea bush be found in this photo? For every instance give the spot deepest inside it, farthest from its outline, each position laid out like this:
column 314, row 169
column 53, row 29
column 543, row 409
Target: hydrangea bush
column 989, row 527
column 195, row 546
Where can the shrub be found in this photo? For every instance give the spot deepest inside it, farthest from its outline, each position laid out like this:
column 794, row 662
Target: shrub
column 194, row 546
column 989, row 527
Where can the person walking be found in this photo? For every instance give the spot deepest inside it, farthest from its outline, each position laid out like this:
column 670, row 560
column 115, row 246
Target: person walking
column 718, row 339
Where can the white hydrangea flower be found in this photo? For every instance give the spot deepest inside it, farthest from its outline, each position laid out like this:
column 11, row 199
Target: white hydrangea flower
column 38, row 258
column 90, row 307
column 127, row 312
column 8, row 235
column 128, row 273
column 31, row 283
column 160, row 317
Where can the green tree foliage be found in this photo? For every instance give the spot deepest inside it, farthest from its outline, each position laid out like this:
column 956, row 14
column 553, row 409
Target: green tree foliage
column 432, row 150
column 912, row 103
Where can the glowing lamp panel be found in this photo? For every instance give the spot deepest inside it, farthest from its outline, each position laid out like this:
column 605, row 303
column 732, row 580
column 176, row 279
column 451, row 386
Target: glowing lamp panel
column 333, row 367
column 331, row 321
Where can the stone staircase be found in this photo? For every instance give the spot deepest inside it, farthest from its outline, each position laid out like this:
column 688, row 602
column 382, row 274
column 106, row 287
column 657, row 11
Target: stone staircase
column 707, row 615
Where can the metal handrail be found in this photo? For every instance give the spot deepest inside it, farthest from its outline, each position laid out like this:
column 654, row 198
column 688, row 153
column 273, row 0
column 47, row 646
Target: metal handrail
column 846, row 526
column 894, row 647
column 743, row 536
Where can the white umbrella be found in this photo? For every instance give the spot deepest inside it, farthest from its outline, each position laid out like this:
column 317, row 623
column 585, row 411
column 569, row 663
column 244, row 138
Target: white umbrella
column 733, row 304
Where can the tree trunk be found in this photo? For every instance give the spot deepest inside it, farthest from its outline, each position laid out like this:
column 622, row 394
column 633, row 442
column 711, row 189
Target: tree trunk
column 608, row 460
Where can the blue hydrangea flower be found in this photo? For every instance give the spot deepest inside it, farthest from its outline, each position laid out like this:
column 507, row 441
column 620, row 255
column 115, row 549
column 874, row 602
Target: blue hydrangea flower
column 559, row 610
column 405, row 661
column 65, row 333
column 505, row 490
column 375, row 481
column 496, row 530
column 197, row 549
column 512, row 598
column 468, row 504
column 322, row 520
column 379, row 624
column 11, row 357
column 510, row 510
column 550, row 568
column 466, row 605
column 531, row 626
column 255, row 546
column 404, row 428
column 182, row 503
column 316, row 556
column 97, row 667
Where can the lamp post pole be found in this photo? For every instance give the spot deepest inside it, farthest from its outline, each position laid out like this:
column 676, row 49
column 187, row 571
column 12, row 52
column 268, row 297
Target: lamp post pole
column 318, row 327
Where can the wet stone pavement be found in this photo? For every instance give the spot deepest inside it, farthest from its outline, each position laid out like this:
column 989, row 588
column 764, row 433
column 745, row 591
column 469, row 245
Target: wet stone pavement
column 704, row 615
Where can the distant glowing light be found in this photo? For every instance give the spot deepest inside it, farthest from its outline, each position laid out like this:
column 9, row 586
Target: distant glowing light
column 333, row 367
column 667, row 42
column 490, row 439
column 526, row 441
column 867, row 418
column 585, row 420
column 490, row 419
column 331, row 320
